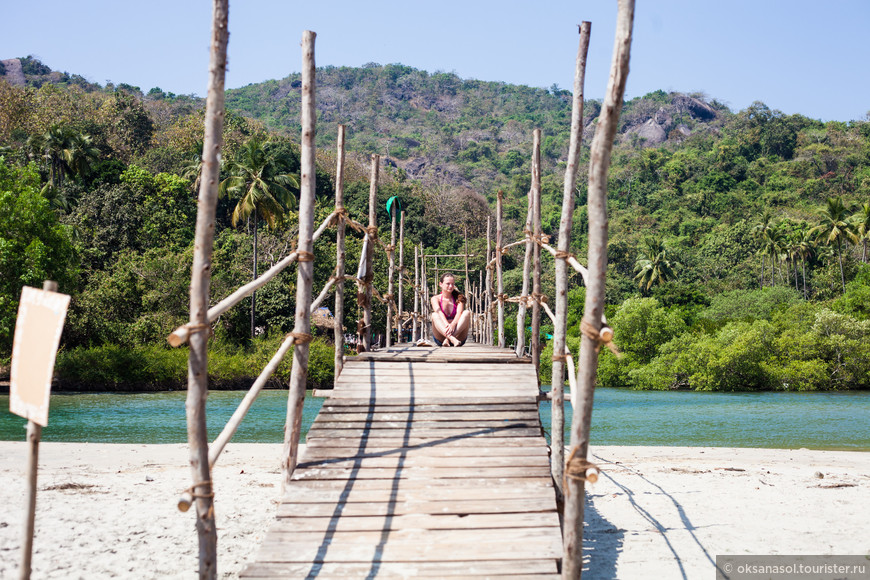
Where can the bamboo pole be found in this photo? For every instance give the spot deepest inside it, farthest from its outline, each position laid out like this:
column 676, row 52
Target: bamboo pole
column 498, row 272
column 535, row 339
column 366, row 294
column 602, row 144
column 426, row 330
column 521, row 311
column 338, row 329
column 200, row 281
column 560, row 324
column 391, row 272
column 305, row 268
column 401, row 271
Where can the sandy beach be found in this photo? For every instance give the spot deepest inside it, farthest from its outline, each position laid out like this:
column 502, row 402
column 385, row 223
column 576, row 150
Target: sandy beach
column 108, row 511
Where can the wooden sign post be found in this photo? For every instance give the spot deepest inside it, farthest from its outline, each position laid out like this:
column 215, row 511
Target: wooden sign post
column 41, row 314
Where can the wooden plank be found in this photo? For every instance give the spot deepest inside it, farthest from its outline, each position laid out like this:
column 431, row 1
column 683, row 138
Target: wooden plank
column 407, row 461
column 483, row 433
column 298, row 494
column 464, row 547
column 435, row 486
column 419, row 521
column 538, row 568
column 468, row 424
column 351, row 406
column 319, row 452
column 419, row 473
column 468, row 440
column 524, row 415
column 453, row 507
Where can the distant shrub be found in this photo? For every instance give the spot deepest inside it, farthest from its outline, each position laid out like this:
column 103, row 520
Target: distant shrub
column 749, row 304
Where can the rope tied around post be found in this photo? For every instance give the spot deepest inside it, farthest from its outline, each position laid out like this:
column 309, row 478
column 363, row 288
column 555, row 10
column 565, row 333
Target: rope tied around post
column 560, row 255
column 187, row 496
column 372, row 232
column 579, row 469
column 300, row 337
column 303, row 256
column 560, row 357
column 198, row 327
column 603, row 336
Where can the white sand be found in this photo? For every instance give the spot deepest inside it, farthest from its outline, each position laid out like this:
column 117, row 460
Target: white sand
column 656, row 512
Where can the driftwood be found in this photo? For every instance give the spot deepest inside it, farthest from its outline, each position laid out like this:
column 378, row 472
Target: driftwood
column 560, row 324
column 498, row 270
column 305, row 269
column 590, row 344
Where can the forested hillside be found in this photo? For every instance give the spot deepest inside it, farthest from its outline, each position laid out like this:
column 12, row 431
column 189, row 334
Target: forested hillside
column 738, row 238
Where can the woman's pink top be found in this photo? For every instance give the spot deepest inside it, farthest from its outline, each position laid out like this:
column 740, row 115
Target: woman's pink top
column 450, row 316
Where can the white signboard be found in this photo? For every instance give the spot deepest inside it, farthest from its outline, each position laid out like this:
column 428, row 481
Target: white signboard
column 41, row 315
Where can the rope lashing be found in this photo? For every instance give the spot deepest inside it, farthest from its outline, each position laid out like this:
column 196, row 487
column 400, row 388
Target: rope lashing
column 300, row 337
column 579, row 469
column 303, row 256
column 372, row 231
column 198, row 327
column 560, row 255
column 192, row 493
column 603, row 336
column 560, row 357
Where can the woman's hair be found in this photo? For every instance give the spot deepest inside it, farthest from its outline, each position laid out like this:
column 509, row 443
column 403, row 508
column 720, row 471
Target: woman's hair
column 457, row 297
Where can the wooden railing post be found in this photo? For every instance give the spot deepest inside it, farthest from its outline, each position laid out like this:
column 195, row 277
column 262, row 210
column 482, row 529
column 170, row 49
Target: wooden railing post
column 305, row 266
column 521, row 311
column 417, row 309
column 400, row 323
column 200, row 281
column 391, row 255
column 338, row 329
column 535, row 339
column 498, row 273
column 590, row 344
column 560, row 325
column 368, row 275
column 487, row 306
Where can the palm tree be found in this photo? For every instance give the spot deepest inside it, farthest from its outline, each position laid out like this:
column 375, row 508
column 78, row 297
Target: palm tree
column 261, row 191
column 835, row 228
column 760, row 233
column 193, row 170
column 66, row 152
column 862, row 228
column 806, row 247
column 772, row 244
column 653, row 265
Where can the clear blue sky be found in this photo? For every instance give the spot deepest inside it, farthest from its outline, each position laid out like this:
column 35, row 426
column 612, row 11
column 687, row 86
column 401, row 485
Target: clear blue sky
column 794, row 55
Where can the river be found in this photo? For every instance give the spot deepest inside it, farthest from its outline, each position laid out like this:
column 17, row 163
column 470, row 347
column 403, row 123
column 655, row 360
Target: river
column 817, row 420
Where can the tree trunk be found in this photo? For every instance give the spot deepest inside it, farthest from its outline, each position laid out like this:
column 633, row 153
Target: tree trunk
column 840, row 259
column 200, row 281
column 498, row 270
column 535, row 339
column 572, row 561
column 566, row 223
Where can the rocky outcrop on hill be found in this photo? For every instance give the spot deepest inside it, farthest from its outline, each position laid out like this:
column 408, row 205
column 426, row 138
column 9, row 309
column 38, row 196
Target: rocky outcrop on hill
column 13, row 73
column 675, row 119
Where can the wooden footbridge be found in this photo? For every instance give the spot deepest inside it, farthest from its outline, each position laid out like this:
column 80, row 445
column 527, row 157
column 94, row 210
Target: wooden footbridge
column 422, row 462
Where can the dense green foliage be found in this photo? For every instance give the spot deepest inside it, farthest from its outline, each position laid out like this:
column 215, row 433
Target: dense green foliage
column 738, row 240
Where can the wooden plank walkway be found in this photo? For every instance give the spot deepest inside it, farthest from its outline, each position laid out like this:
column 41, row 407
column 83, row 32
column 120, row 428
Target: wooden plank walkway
column 422, row 462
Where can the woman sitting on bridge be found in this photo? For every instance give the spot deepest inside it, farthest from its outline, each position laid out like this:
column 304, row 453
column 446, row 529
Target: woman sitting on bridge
column 450, row 320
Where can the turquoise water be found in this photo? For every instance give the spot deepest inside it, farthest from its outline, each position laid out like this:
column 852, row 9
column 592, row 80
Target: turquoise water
column 773, row 420
column 620, row 417
column 155, row 417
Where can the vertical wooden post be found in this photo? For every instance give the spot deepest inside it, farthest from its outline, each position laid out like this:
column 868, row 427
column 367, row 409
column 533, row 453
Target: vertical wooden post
column 400, row 323
column 370, row 254
column 391, row 256
column 425, row 331
column 437, row 279
column 200, row 281
column 498, row 272
column 487, row 306
column 521, row 314
column 535, row 339
column 467, row 279
column 305, row 264
column 481, row 327
column 560, row 326
column 599, row 164
column 338, row 329
column 417, row 308
column 34, row 435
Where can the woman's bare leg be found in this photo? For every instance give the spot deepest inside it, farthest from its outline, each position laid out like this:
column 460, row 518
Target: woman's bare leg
column 439, row 327
column 462, row 327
